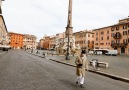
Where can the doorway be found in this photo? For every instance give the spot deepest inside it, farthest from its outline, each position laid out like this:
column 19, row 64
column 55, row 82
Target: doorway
column 123, row 50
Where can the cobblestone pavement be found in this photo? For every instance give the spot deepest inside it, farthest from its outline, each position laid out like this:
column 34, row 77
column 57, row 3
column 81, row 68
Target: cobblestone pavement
column 118, row 65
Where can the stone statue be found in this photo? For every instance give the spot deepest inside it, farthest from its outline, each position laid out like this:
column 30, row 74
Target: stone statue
column 61, row 47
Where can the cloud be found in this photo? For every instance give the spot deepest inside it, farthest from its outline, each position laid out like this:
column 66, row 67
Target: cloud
column 50, row 16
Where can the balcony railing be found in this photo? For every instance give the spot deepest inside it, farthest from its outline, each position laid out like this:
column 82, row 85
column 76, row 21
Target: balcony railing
column 119, row 45
column 117, row 35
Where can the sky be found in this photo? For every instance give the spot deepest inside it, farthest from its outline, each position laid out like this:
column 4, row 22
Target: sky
column 40, row 17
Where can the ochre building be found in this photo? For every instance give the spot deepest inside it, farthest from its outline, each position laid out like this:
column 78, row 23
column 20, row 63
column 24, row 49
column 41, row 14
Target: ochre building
column 114, row 37
column 85, row 39
column 16, row 40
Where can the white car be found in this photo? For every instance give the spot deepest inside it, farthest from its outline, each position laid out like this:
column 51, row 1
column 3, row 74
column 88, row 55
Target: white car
column 99, row 53
column 112, row 52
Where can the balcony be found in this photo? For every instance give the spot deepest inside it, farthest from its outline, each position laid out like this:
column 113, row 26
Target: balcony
column 119, row 45
column 117, row 35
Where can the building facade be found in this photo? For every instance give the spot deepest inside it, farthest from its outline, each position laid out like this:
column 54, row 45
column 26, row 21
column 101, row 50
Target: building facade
column 41, row 42
column 16, row 40
column 46, row 43
column 60, row 38
column 102, row 38
column 120, row 36
column 52, row 42
column 114, row 37
column 85, row 39
column 29, row 41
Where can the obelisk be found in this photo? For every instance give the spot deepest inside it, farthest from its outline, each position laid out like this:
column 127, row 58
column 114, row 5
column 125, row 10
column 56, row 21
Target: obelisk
column 69, row 27
column 0, row 6
column 69, row 30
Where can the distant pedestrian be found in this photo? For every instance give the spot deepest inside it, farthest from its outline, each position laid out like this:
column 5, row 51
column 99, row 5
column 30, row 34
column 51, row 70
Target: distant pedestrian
column 82, row 67
column 43, row 54
column 37, row 52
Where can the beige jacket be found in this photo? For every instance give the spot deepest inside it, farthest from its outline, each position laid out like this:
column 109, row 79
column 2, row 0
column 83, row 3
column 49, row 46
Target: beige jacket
column 81, row 70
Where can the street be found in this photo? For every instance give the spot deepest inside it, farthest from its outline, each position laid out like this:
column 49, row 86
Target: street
column 22, row 71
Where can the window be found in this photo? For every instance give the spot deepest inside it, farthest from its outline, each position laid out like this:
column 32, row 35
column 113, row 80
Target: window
column 124, row 32
column 117, row 27
column 128, row 31
column 88, row 35
column 117, row 41
column 125, row 41
column 124, row 27
column 128, row 40
column 112, row 29
column 107, row 37
column 118, row 34
column 96, row 39
column 101, row 38
column 107, row 32
column 97, row 33
column 112, row 35
column 96, row 43
column 101, row 43
column 102, row 33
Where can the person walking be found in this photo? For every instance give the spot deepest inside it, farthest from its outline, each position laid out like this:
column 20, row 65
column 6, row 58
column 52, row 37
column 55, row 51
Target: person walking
column 81, row 68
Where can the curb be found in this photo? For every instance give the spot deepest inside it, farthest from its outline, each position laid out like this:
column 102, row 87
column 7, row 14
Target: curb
column 111, row 76
column 100, row 73
column 97, row 72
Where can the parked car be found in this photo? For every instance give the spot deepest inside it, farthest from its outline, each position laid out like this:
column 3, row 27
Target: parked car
column 91, row 52
column 112, row 52
column 99, row 53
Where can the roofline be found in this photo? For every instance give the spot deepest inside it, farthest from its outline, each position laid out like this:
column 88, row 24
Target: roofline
column 111, row 26
column 83, row 32
column 15, row 33
column 102, row 28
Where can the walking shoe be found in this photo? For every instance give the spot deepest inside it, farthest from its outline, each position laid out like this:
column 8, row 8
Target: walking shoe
column 82, row 86
column 76, row 84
